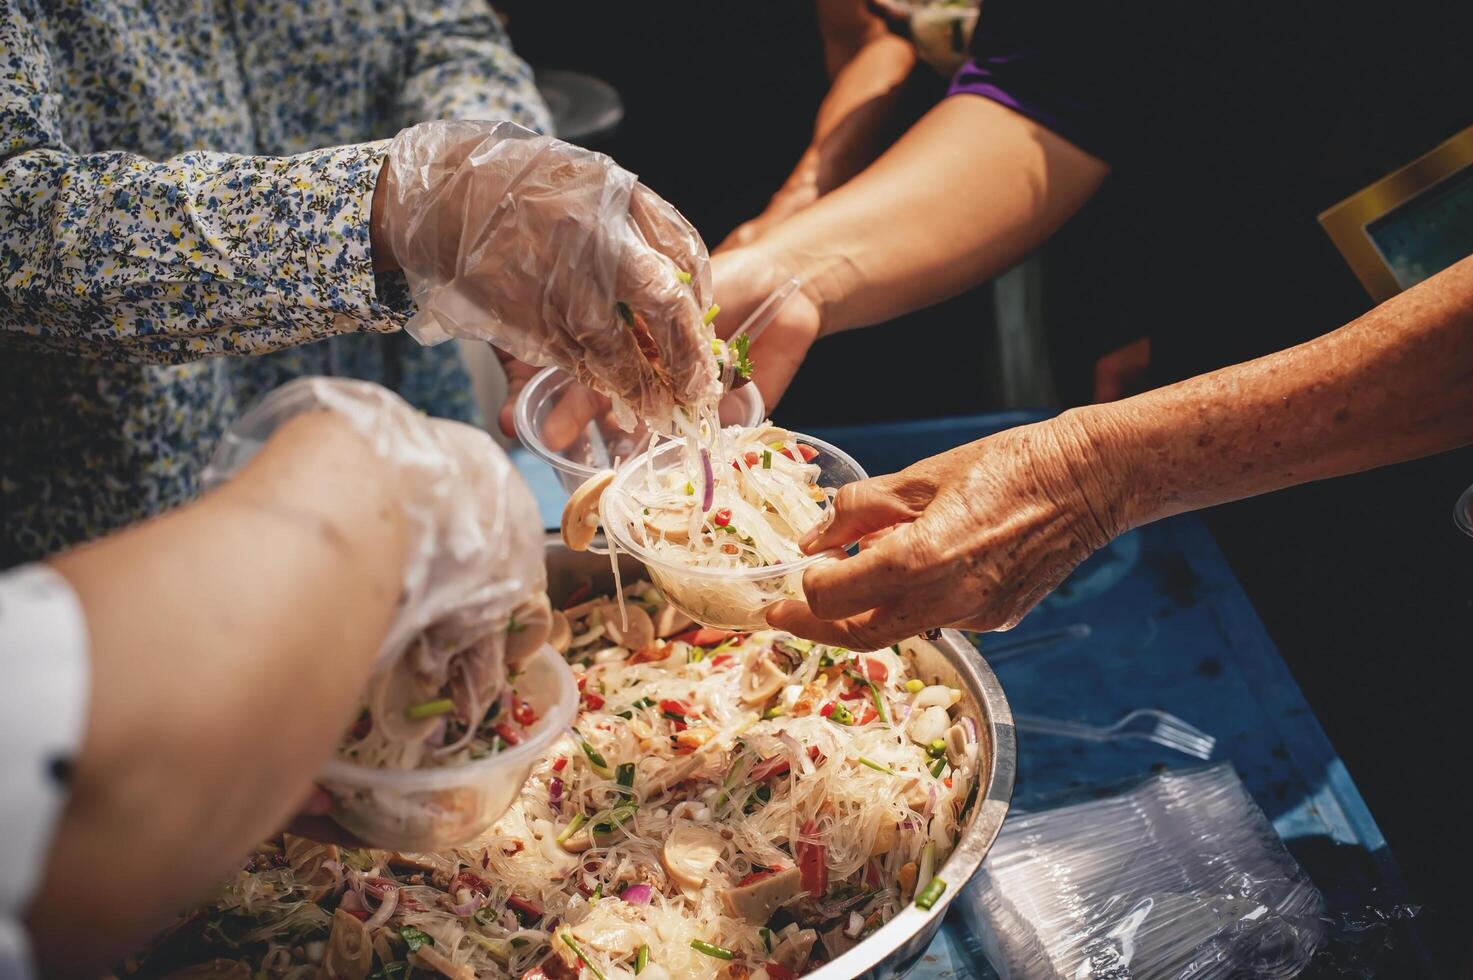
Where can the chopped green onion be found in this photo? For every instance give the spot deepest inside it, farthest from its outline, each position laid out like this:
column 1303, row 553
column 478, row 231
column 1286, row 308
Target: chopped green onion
column 937, row 748
column 767, row 459
column 683, row 276
column 625, row 313
column 594, row 759
column 690, row 491
column 938, row 767
column 572, row 828
column 598, row 893
column 766, row 935
column 743, row 363
column 711, row 315
column 618, row 817
column 915, row 686
column 876, row 766
column 776, row 711
column 440, row 706
column 583, row 959
column 927, row 896
column 644, row 703
column 626, row 775
column 415, row 938
column 711, row 949
column 642, row 959
column 717, row 347
column 877, row 697
column 841, row 715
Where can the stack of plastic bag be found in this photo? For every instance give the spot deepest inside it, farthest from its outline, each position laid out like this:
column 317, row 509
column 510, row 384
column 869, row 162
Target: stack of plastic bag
column 1180, row 878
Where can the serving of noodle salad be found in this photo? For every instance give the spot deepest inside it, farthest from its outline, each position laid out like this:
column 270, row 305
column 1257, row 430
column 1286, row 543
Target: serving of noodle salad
column 726, row 805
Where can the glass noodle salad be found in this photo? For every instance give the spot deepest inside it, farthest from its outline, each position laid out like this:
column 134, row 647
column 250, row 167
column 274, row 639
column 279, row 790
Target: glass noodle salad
column 725, row 805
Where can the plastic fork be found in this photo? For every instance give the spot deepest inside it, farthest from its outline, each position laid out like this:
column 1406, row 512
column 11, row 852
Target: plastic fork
column 1150, row 724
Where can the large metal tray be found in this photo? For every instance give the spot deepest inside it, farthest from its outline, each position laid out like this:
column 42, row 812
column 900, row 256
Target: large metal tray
column 899, row 943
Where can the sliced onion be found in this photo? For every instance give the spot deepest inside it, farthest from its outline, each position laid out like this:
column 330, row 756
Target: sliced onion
column 637, row 894
column 855, row 926
column 436, row 737
column 799, row 756
column 337, row 874
column 971, row 730
column 385, row 910
column 708, row 493
column 930, row 799
column 468, row 907
column 555, row 794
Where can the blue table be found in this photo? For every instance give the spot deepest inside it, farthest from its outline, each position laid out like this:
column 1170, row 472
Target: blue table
column 1169, row 628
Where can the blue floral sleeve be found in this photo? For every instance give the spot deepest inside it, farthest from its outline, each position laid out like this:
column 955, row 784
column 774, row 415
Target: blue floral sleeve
column 117, row 256
column 462, row 66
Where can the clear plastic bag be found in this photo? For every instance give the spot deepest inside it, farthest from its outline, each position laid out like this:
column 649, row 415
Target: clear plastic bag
column 475, row 542
column 1181, row 878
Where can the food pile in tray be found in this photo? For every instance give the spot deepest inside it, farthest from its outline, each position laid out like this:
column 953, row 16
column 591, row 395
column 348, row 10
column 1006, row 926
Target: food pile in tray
column 726, row 805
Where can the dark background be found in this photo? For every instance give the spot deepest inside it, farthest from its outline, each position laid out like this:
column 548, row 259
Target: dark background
column 1364, row 582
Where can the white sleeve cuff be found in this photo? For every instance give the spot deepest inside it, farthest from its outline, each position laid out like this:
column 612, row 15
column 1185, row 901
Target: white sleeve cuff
column 43, row 717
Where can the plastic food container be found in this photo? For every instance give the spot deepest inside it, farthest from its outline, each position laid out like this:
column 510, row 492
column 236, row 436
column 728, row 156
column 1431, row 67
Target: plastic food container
column 1463, row 514
column 733, row 599
column 434, row 809
column 600, row 442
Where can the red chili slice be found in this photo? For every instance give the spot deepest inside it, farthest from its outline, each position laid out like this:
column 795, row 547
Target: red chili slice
column 808, row 453
column 776, row 971
column 775, row 766
column 868, row 716
column 525, row 911
column 470, row 881
column 812, row 862
column 560, row 764
column 827, row 709
column 755, row 876
column 578, row 595
column 722, row 661
column 676, row 707
column 508, row 734
column 522, row 713
column 722, row 517
column 594, row 701
column 874, row 670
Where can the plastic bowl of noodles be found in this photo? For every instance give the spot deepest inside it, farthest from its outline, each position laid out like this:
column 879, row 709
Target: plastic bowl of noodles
column 550, row 414
column 724, row 598
column 423, row 810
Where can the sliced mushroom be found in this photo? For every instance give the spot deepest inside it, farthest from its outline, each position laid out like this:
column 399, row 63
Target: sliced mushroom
column 689, row 854
column 560, row 635
column 426, row 863
column 213, row 970
column 531, row 622
column 669, row 621
column 580, row 513
column 672, row 773
column 349, row 954
column 640, row 632
column 794, row 950
column 306, row 858
column 956, row 744
column 929, row 725
column 885, row 839
column 671, row 524
column 756, row 902
column 936, row 694
column 762, row 680
column 429, row 956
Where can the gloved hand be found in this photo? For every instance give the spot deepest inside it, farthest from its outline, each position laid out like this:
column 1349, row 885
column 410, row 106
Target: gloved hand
column 553, row 253
column 972, row 538
column 475, row 554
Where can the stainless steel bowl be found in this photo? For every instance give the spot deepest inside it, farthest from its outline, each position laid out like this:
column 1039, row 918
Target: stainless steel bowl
column 899, row 943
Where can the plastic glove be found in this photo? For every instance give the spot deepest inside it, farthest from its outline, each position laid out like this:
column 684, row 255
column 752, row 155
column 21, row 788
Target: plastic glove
column 555, row 254
column 972, row 538
column 475, row 550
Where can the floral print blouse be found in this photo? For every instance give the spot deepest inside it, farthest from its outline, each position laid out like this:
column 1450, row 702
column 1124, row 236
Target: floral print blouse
column 191, row 179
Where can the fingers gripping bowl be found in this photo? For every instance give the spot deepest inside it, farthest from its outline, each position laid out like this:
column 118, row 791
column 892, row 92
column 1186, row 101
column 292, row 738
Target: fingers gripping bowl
column 721, row 546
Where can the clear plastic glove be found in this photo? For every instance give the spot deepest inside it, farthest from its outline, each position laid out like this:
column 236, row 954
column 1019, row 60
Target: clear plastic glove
column 475, row 536
column 972, row 538
column 555, row 254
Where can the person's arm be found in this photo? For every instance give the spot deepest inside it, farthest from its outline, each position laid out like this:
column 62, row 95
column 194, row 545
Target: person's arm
column 968, row 192
column 115, row 255
column 976, row 536
column 460, row 65
column 869, row 66
column 230, row 642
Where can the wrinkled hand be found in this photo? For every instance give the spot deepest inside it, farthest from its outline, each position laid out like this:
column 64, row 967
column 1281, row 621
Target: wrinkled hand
column 475, row 550
column 743, row 279
column 972, row 538
column 553, row 253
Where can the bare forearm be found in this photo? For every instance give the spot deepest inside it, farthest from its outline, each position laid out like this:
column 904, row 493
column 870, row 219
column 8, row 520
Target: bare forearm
column 969, row 191
column 1393, row 385
column 230, row 642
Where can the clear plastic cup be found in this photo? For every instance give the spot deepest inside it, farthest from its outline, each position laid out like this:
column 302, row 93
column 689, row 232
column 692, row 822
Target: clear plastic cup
column 733, row 599
column 598, row 443
column 427, row 810
column 1463, row 513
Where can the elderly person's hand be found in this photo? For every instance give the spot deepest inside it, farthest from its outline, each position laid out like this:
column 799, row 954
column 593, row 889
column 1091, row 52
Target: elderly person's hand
column 972, row 538
column 552, row 252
